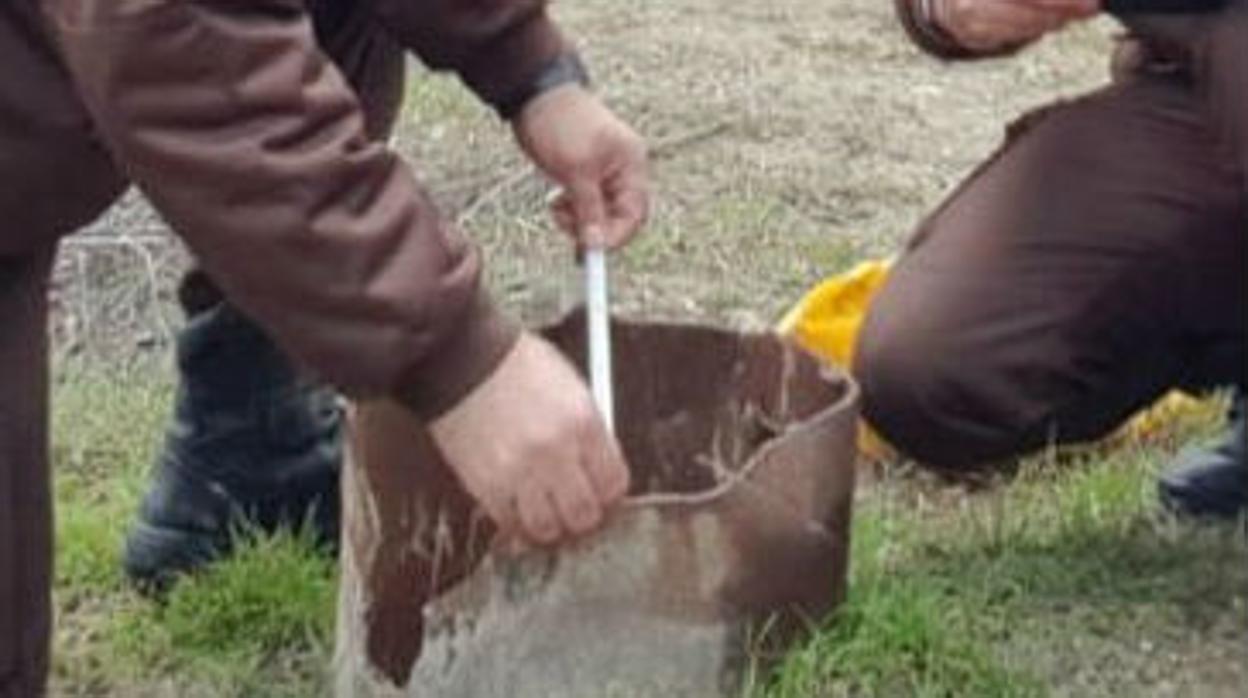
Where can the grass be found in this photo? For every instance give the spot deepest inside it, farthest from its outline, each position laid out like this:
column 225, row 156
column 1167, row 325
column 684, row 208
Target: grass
column 1068, row 581
column 257, row 625
column 1065, row 582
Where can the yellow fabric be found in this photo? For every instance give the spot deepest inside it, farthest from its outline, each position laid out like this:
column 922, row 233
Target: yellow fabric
column 827, row 320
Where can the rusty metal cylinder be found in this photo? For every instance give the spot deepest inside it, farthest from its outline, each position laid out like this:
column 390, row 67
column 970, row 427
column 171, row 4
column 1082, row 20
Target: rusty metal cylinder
column 733, row 541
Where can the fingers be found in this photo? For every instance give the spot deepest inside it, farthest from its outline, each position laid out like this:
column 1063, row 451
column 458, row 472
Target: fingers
column 605, row 467
column 500, row 507
column 585, row 198
column 991, row 24
column 576, row 502
column 536, row 514
column 565, row 217
column 561, row 505
column 628, row 206
column 1017, row 21
column 606, row 201
column 569, row 499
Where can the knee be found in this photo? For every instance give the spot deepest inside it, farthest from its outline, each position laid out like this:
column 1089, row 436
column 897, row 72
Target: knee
column 925, row 394
column 895, row 386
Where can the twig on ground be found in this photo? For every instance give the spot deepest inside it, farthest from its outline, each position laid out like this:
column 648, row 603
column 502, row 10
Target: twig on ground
column 668, row 147
column 508, row 182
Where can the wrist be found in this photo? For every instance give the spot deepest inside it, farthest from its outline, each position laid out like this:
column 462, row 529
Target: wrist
column 464, row 360
column 566, row 69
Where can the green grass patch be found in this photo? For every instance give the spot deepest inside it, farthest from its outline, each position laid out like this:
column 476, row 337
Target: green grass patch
column 259, row 624
column 1022, row 590
column 106, row 426
column 1065, row 580
column 272, row 600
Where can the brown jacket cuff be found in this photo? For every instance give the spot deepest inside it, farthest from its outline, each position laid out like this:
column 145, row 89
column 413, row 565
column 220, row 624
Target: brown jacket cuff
column 513, row 61
column 461, row 362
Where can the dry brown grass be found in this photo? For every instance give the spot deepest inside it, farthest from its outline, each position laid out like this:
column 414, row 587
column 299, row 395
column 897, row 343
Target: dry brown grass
column 790, row 138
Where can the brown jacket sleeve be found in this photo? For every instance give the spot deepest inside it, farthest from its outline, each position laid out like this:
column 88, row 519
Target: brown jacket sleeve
column 244, row 136
column 497, row 47
column 918, row 21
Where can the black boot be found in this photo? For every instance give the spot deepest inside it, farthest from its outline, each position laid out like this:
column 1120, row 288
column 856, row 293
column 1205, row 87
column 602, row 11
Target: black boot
column 1212, row 482
column 252, row 444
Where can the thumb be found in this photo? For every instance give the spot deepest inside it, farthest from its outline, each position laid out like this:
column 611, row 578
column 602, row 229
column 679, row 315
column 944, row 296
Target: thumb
column 590, row 211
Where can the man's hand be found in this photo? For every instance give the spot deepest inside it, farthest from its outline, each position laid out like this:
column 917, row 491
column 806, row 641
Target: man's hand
column 529, row 445
column 989, row 25
column 597, row 159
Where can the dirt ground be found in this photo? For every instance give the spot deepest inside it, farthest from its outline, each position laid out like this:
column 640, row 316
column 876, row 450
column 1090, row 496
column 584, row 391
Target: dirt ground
column 790, row 139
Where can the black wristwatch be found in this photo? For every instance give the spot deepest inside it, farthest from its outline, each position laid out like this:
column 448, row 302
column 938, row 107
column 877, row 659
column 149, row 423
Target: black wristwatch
column 564, row 69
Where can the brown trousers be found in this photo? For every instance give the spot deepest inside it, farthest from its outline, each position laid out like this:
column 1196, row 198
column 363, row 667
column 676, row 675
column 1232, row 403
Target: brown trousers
column 25, row 497
column 1096, row 262
column 371, row 62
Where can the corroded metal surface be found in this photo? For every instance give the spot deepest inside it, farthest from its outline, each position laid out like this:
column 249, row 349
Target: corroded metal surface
column 736, row 536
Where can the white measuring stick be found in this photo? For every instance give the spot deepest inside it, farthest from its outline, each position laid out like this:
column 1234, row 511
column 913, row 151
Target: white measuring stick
column 599, row 308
